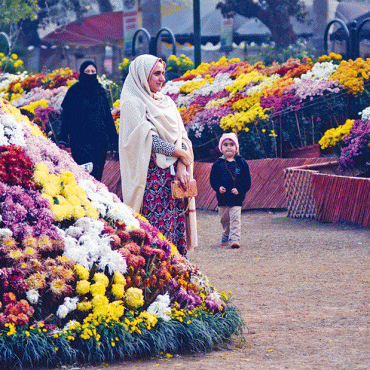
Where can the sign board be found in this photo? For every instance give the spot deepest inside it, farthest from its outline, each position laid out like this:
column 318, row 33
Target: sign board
column 130, row 23
column 227, row 33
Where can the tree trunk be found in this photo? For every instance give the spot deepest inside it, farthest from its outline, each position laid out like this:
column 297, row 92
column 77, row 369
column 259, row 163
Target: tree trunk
column 276, row 17
column 105, row 6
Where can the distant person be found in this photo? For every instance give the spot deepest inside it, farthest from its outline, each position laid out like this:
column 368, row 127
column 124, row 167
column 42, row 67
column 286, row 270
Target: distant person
column 154, row 149
column 87, row 121
column 230, row 179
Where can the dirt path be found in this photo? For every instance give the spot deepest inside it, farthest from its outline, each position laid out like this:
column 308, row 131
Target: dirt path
column 303, row 289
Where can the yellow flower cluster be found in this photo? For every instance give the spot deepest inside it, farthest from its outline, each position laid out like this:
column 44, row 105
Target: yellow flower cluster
column 246, row 103
column 134, row 298
column 13, row 62
column 35, row 104
column 334, row 135
column 99, row 304
column 202, row 68
column 11, row 329
column 331, row 56
column 240, row 120
column 123, row 67
column 193, row 85
column 68, row 200
column 179, row 65
column 352, row 74
column 267, row 83
column 244, row 79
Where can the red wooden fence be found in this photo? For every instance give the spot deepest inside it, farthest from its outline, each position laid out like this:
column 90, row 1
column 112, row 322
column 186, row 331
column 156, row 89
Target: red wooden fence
column 267, row 190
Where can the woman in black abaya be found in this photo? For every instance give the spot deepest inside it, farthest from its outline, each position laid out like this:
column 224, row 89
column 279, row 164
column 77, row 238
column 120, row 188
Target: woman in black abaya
column 87, row 120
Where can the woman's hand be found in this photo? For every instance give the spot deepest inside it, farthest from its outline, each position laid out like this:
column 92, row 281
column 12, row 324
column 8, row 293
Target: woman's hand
column 183, row 175
column 184, row 156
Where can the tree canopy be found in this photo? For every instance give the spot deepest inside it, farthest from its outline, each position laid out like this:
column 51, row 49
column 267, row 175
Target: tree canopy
column 12, row 11
column 275, row 14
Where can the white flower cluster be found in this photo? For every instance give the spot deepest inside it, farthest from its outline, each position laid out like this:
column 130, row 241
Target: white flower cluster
column 269, row 81
column 7, row 78
column 104, row 202
column 365, row 114
column 33, row 296
column 161, row 307
column 319, row 71
column 54, row 97
column 172, row 87
column 86, row 244
column 69, row 305
column 11, row 131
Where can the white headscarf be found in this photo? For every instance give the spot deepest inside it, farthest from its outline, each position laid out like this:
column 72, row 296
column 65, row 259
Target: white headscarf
column 142, row 115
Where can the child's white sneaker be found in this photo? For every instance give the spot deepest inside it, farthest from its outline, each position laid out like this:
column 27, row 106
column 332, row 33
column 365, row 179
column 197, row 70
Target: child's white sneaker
column 235, row 245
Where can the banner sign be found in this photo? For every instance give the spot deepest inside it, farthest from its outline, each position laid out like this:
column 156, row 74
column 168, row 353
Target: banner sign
column 130, row 23
column 227, row 33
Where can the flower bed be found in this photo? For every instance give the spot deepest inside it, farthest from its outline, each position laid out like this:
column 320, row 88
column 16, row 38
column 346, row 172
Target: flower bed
column 84, row 278
column 273, row 109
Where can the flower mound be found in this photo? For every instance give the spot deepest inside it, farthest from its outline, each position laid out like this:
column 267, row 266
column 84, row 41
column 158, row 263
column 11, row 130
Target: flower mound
column 84, row 278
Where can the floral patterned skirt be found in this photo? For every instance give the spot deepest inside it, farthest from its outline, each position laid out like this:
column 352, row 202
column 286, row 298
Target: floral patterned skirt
column 160, row 209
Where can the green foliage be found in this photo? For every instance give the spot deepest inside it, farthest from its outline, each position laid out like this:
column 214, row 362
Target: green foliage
column 37, row 347
column 12, row 11
column 268, row 53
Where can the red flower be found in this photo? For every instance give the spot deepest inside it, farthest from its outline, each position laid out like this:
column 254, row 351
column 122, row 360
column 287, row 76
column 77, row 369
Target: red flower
column 9, row 298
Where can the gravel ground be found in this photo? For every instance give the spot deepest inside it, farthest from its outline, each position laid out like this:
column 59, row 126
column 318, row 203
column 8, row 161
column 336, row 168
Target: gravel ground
column 302, row 287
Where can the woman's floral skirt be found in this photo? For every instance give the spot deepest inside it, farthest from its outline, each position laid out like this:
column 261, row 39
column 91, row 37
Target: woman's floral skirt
column 160, row 209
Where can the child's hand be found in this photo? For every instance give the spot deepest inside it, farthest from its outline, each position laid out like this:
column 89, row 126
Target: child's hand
column 235, row 191
column 222, row 189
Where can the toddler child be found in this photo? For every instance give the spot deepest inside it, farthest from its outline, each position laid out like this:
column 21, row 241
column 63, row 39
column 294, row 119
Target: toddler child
column 230, row 179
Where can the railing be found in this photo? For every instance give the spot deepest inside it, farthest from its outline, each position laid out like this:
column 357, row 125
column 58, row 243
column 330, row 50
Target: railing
column 351, row 36
column 153, row 41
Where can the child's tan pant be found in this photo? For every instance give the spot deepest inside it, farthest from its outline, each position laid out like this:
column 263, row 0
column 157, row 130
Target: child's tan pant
column 231, row 221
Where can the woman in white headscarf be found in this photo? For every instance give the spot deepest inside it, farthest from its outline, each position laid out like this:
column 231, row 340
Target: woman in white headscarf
column 153, row 149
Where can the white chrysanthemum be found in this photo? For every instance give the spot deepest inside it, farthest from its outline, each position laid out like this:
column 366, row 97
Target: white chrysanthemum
column 5, row 232
column 93, row 247
column 74, row 231
column 84, row 223
column 121, row 212
column 172, row 87
column 71, row 303
column 113, row 261
column 365, row 114
column 161, row 307
column 11, row 131
column 200, row 280
column 320, row 71
column 33, row 296
column 62, row 311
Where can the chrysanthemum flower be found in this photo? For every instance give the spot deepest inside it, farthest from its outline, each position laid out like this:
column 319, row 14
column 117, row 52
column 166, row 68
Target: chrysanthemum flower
column 59, row 287
column 101, row 278
column 82, row 287
column 118, row 278
column 84, row 306
column 97, row 289
column 134, row 298
column 118, row 291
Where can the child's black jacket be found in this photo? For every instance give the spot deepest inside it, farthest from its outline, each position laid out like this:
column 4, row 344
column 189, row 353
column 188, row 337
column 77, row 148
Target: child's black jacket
column 221, row 175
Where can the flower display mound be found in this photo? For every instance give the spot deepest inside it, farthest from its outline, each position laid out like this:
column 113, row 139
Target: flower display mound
column 273, row 109
column 84, row 279
column 351, row 142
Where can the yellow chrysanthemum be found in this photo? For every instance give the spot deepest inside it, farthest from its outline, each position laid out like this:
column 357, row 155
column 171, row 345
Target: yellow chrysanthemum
column 82, row 287
column 81, row 272
column 134, row 298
